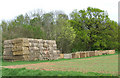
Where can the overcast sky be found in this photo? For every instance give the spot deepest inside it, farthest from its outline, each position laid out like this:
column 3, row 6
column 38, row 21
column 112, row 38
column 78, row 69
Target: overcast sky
column 9, row 9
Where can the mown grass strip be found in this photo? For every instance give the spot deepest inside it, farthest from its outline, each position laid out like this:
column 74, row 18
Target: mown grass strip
column 28, row 72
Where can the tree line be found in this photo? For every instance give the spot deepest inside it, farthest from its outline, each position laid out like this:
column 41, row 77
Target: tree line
column 87, row 29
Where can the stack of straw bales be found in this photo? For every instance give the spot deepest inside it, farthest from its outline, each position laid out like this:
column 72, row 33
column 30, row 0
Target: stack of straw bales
column 30, row 49
column 83, row 54
column 8, row 50
column 16, row 49
column 35, row 49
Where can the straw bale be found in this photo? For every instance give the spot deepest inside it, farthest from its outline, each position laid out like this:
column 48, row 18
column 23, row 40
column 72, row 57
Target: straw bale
column 61, row 56
column 40, row 45
column 87, row 54
column 40, row 40
column 9, row 53
column 82, row 54
column 16, row 57
column 111, row 51
column 8, row 46
column 91, row 53
column 19, row 48
column 36, row 41
column 55, row 52
column 19, row 40
column 20, row 52
column 8, row 49
column 7, row 57
column 45, row 41
column 53, row 41
column 105, row 52
column 54, row 45
column 77, row 54
column 33, row 44
column 40, row 57
column 100, row 52
column 22, row 44
column 9, row 60
column 31, row 40
column 73, row 55
column 67, row 56
column 7, row 42
column 45, row 45
column 96, row 53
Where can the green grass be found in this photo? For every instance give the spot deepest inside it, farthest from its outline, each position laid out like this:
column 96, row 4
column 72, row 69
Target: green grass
column 5, row 63
column 28, row 72
column 104, row 65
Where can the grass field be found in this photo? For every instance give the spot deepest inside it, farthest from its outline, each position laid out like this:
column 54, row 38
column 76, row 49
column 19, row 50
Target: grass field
column 105, row 65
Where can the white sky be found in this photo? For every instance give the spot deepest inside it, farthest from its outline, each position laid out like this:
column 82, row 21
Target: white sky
column 9, row 9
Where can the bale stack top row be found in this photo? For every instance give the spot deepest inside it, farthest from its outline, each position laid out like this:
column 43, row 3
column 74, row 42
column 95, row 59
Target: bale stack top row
column 21, row 49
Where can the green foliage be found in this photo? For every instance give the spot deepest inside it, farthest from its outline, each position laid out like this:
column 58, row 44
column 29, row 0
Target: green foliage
column 94, row 30
column 65, row 34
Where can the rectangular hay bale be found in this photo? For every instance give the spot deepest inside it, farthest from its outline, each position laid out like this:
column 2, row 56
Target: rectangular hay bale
column 8, row 57
column 91, row 53
column 73, row 55
column 104, row 52
column 82, row 54
column 87, row 54
column 67, row 56
column 9, row 53
column 20, row 40
column 20, row 52
column 7, row 42
column 100, row 52
column 77, row 55
column 22, row 44
column 19, row 48
column 111, row 52
column 96, row 53
column 8, row 46
column 7, row 49
column 19, row 58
